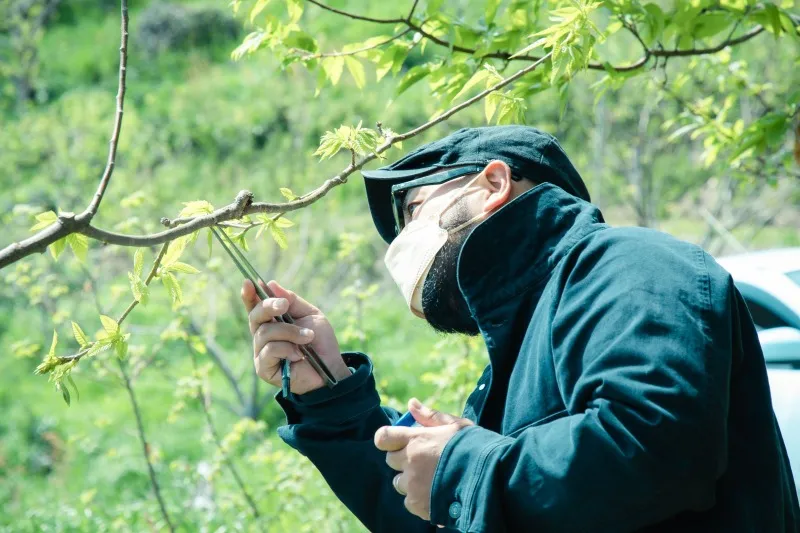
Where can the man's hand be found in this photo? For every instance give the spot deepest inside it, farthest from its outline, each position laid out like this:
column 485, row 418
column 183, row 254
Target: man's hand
column 274, row 341
column 414, row 452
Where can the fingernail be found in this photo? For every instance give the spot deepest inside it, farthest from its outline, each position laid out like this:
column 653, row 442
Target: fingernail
column 279, row 303
column 305, row 332
column 415, row 403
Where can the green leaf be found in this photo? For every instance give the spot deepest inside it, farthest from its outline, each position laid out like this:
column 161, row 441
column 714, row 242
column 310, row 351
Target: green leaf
column 490, row 105
column 57, row 247
column 121, row 347
column 433, row 7
column 52, row 351
column 333, row 68
column 535, row 44
column 284, row 222
column 491, row 10
column 476, row 78
column 257, row 9
column 774, row 18
column 279, row 235
column 44, row 219
column 74, row 386
column 288, row 194
column 141, row 292
column 295, row 8
column 80, row 336
column 173, row 287
column 79, row 244
column 385, row 62
column 109, row 325
column 138, row 262
column 64, row 391
column 195, row 208
column 183, row 268
column 712, row 23
column 175, row 250
column 413, row 75
column 210, row 243
column 301, row 40
column 356, row 70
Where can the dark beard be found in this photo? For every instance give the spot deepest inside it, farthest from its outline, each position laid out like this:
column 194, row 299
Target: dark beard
column 443, row 304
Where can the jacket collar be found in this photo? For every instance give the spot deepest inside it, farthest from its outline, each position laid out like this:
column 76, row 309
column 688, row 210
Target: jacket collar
column 514, row 251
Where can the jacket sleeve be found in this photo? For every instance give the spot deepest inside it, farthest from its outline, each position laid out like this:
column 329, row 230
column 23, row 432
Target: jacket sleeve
column 335, row 428
column 642, row 359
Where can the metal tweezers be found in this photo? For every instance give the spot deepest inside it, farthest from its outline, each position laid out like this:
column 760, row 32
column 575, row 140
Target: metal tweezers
column 264, row 292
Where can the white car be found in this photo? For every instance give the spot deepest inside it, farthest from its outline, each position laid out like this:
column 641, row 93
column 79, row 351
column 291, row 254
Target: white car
column 770, row 284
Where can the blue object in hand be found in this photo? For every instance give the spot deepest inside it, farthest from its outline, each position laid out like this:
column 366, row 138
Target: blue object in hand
column 407, row 420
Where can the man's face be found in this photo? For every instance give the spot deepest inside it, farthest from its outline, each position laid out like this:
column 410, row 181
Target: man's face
column 443, row 304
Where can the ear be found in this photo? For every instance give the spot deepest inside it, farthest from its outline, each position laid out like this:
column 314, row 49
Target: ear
column 497, row 180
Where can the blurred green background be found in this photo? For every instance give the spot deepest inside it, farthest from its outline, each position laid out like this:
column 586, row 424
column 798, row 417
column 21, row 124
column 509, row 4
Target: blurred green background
column 200, row 126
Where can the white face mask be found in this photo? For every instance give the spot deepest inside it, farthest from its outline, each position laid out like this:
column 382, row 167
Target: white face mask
column 411, row 254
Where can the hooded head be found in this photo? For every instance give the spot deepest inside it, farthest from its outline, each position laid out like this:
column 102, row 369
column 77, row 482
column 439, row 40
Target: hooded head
column 446, row 188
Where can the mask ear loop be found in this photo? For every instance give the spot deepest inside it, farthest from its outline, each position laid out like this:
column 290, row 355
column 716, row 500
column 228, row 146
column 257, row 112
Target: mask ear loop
column 453, row 201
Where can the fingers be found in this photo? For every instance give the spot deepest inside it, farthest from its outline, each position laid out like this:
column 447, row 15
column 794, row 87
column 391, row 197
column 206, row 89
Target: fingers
column 429, row 417
column 270, row 332
column 391, row 439
column 298, row 307
column 397, row 460
column 279, row 350
column 266, row 311
column 249, row 296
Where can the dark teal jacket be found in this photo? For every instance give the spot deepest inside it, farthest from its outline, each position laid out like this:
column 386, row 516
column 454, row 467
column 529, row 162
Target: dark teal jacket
column 626, row 392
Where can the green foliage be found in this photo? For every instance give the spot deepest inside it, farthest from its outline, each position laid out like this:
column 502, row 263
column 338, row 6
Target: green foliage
column 358, row 140
column 648, row 141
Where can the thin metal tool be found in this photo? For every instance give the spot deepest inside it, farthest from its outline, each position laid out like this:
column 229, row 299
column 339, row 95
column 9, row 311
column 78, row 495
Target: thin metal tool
column 264, row 292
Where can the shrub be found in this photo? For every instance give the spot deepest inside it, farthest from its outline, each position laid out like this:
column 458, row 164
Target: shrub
column 164, row 27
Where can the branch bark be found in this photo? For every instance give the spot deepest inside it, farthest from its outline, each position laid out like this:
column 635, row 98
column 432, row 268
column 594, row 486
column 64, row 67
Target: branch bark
column 242, row 205
column 648, row 53
column 91, row 210
column 68, row 222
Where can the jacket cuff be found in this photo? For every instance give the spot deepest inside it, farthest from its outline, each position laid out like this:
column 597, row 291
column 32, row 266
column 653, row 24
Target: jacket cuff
column 458, row 489
column 351, row 397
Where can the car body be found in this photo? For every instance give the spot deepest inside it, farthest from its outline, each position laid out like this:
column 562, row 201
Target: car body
column 770, row 283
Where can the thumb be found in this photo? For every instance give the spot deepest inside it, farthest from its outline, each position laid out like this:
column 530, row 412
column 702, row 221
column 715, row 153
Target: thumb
column 429, row 417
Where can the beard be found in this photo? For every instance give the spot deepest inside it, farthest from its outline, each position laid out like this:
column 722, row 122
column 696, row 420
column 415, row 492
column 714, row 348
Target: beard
column 443, row 305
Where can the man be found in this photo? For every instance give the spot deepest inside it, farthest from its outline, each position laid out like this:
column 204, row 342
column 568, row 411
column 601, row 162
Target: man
column 626, row 392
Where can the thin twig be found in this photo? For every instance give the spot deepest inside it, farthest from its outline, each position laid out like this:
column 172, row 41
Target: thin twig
column 145, row 446
column 126, row 380
column 203, row 400
column 243, row 205
column 507, row 55
column 68, row 223
column 357, row 50
column 130, row 307
column 216, row 354
column 112, row 144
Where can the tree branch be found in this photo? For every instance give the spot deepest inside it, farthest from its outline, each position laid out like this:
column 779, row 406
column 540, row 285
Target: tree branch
column 507, row 55
column 243, row 205
column 203, row 400
column 145, row 446
column 216, row 354
column 124, row 315
column 114, row 141
column 358, row 50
